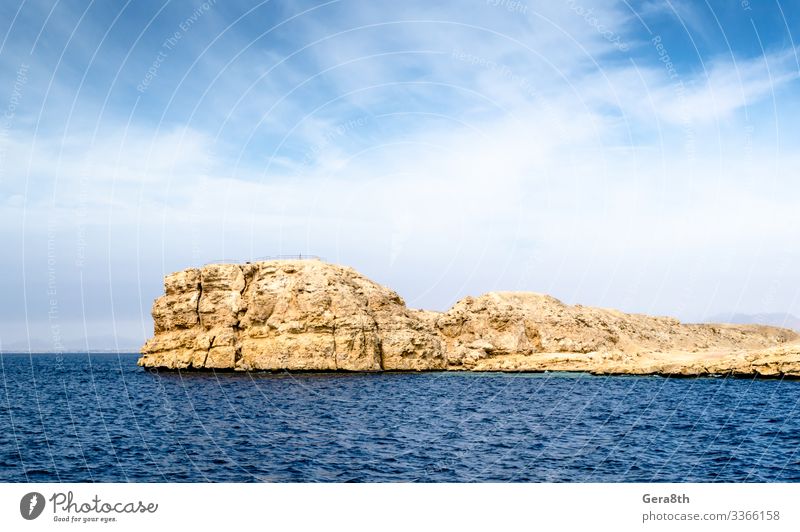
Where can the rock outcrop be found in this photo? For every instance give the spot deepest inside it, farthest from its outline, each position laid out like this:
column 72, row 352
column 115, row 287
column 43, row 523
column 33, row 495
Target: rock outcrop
column 294, row 315
column 311, row 315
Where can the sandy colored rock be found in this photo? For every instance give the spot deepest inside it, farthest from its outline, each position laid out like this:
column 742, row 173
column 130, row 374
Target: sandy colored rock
column 311, row 315
column 522, row 331
column 286, row 314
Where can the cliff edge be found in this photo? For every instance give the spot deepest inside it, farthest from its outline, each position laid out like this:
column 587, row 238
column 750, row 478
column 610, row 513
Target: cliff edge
column 311, row 315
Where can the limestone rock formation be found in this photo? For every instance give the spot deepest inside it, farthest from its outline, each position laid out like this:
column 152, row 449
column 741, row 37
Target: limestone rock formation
column 295, row 315
column 311, row 315
column 528, row 331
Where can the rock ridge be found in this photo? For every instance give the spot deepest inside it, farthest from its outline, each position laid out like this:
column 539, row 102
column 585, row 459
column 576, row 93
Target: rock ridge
column 309, row 315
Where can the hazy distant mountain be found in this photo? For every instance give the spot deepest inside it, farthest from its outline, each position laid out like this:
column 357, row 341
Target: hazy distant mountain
column 95, row 343
column 778, row 319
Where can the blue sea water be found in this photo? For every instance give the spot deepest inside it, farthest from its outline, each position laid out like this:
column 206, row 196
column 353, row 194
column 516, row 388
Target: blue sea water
column 83, row 417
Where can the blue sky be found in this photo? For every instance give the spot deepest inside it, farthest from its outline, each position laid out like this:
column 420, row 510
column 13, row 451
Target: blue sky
column 636, row 155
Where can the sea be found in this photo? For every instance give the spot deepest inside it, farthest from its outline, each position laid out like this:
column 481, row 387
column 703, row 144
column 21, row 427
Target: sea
column 83, row 417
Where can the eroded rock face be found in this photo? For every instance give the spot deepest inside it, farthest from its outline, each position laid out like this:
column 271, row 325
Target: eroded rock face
column 310, row 315
column 528, row 331
column 295, row 315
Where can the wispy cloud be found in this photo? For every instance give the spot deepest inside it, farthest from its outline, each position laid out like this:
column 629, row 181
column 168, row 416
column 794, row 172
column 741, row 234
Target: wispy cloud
column 442, row 150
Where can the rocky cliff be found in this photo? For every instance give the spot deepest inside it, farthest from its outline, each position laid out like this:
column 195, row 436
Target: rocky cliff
column 311, row 315
column 296, row 315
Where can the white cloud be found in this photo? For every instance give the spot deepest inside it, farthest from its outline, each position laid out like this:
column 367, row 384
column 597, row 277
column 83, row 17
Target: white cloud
column 729, row 86
column 528, row 162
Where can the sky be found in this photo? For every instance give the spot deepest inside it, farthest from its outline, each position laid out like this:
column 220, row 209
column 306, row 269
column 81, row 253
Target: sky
column 638, row 155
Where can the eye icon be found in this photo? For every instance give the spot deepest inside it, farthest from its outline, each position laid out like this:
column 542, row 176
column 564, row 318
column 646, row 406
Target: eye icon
column 31, row 505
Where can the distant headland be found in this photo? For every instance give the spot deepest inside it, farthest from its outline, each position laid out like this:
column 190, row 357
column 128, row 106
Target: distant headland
column 310, row 315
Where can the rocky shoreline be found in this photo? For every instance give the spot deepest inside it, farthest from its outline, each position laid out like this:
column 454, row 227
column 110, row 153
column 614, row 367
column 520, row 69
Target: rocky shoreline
column 309, row 315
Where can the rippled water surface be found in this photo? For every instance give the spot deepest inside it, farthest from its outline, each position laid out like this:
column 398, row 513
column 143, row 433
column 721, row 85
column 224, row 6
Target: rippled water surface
column 102, row 418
